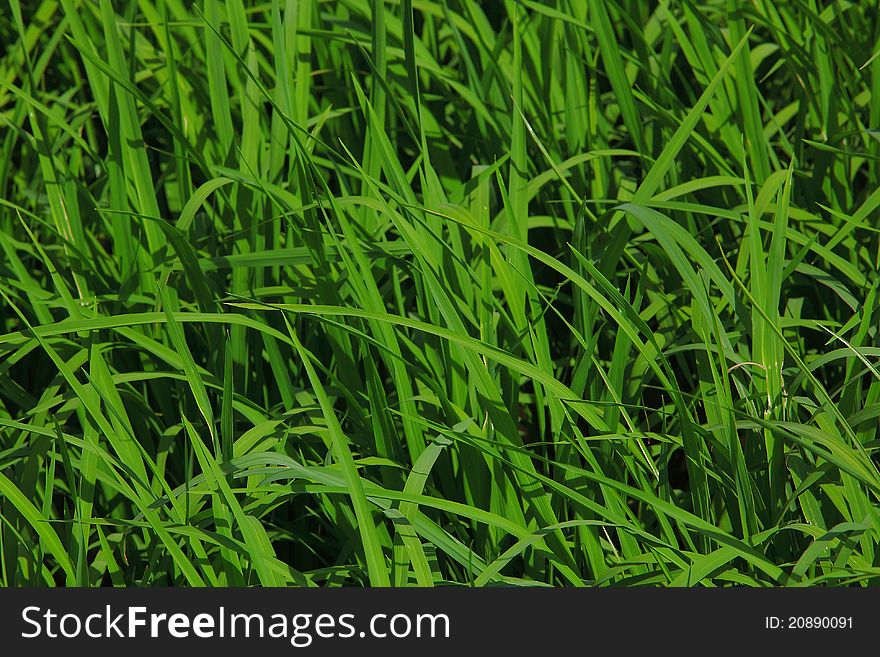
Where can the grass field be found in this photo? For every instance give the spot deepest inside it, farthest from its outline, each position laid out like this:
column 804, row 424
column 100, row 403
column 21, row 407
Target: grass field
column 431, row 292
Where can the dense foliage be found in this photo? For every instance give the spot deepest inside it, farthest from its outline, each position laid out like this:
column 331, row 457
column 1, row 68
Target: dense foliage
column 439, row 291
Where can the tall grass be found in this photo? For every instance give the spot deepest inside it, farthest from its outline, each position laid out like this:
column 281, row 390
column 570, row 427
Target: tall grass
column 439, row 292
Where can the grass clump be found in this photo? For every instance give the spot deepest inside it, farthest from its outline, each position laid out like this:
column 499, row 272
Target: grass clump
column 439, row 292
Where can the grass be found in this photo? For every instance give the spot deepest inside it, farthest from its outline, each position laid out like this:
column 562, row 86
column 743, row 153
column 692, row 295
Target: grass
column 439, row 293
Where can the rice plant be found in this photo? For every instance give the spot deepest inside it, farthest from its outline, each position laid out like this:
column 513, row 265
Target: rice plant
column 439, row 292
